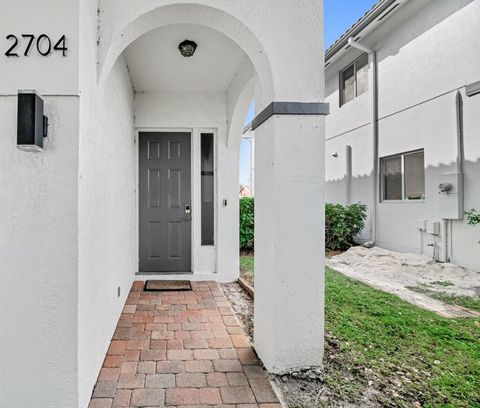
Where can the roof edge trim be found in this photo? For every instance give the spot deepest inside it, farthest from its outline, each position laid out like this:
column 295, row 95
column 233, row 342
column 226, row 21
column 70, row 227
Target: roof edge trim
column 358, row 27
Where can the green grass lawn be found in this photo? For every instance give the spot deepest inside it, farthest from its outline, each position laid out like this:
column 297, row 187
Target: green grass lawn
column 246, row 267
column 406, row 356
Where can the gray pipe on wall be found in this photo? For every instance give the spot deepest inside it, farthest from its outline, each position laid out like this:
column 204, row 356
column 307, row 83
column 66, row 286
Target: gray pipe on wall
column 460, row 143
column 447, row 224
column 372, row 57
column 348, row 174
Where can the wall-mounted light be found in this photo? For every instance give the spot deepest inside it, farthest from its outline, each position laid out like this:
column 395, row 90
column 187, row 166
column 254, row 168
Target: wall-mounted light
column 32, row 124
column 187, row 48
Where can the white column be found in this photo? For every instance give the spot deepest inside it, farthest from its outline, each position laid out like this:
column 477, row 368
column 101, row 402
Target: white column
column 289, row 241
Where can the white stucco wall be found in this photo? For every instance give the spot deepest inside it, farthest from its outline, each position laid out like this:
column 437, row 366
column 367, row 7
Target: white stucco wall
column 52, row 75
column 107, row 220
column 289, row 316
column 38, row 253
column 38, row 226
column 426, row 52
column 336, row 167
column 106, row 204
column 68, row 237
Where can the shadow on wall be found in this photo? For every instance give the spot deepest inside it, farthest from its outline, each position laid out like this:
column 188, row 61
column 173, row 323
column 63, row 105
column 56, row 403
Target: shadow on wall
column 397, row 222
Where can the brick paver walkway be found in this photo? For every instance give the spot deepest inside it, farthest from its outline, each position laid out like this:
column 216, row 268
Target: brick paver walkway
column 181, row 349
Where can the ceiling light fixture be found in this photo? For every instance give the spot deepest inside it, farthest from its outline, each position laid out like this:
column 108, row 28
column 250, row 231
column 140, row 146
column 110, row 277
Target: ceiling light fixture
column 187, row 48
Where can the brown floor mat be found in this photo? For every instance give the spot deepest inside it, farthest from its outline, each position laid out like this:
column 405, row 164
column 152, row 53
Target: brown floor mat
column 167, row 285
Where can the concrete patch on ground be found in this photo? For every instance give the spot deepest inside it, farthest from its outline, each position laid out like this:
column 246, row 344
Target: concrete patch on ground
column 393, row 272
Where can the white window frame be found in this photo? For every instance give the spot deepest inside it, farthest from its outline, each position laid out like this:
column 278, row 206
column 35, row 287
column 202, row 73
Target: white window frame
column 402, row 164
column 341, row 81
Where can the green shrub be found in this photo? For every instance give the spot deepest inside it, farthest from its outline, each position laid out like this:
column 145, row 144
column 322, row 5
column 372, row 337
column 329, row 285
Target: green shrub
column 473, row 217
column 342, row 224
column 247, row 205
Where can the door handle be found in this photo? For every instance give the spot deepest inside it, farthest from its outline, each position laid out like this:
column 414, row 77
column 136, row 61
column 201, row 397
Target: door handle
column 187, row 209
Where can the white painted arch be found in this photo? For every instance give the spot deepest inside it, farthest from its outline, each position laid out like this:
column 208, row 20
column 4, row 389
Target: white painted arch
column 240, row 96
column 199, row 14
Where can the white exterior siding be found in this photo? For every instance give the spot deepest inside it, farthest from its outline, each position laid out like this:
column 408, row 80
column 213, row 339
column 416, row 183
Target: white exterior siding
column 426, row 52
column 39, row 222
column 39, row 216
column 362, row 157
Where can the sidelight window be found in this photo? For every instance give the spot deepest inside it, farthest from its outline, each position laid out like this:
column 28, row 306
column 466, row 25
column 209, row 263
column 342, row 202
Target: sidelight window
column 207, row 188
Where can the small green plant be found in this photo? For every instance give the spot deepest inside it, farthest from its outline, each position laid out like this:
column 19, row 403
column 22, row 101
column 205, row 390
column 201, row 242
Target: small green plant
column 473, row 217
column 442, row 283
column 247, row 206
column 342, row 224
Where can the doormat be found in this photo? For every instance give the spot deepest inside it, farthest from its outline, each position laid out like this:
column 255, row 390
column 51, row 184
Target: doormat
column 167, row 285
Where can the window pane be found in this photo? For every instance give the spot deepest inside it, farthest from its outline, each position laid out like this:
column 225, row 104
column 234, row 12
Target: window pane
column 207, row 173
column 362, row 75
column 348, row 84
column 414, row 176
column 392, row 178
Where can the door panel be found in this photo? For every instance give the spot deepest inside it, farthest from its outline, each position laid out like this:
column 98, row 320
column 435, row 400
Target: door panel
column 164, row 191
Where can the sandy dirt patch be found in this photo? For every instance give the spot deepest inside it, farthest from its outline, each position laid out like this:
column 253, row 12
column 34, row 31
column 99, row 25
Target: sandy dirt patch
column 394, row 272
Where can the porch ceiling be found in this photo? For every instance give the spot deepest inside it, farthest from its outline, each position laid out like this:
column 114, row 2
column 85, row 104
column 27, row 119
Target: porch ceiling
column 156, row 65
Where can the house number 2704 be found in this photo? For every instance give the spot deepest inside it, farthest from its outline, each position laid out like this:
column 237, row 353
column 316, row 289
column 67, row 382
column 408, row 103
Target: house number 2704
column 43, row 45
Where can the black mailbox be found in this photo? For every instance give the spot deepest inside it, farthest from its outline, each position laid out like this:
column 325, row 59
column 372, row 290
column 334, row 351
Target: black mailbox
column 32, row 125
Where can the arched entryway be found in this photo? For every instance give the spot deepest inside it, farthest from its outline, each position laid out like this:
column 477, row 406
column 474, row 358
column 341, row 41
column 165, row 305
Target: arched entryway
column 239, row 55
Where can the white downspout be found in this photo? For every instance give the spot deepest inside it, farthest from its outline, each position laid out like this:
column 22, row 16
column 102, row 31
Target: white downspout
column 372, row 56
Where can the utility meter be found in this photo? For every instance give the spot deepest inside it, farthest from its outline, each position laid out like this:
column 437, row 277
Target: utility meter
column 450, row 196
column 445, row 187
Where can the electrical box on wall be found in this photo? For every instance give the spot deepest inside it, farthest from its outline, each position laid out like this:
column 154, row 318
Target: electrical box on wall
column 32, row 125
column 433, row 228
column 450, row 196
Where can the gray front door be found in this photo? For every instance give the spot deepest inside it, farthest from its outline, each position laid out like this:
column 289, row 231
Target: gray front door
column 165, row 202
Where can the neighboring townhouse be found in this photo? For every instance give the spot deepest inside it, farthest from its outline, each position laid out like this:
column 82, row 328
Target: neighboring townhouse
column 244, row 192
column 403, row 134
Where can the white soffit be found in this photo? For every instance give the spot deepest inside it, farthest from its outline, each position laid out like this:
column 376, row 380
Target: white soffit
column 156, row 65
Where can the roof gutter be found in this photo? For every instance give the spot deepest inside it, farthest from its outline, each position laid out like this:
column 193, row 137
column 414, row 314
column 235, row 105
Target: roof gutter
column 369, row 18
column 373, row 86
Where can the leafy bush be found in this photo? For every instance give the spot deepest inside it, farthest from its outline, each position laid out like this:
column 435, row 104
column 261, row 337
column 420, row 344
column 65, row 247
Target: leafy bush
column 342, row 223
column 247, row 205
column 473, row 217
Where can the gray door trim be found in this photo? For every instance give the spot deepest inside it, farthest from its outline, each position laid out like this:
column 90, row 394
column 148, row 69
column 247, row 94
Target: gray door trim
column 139, row 132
